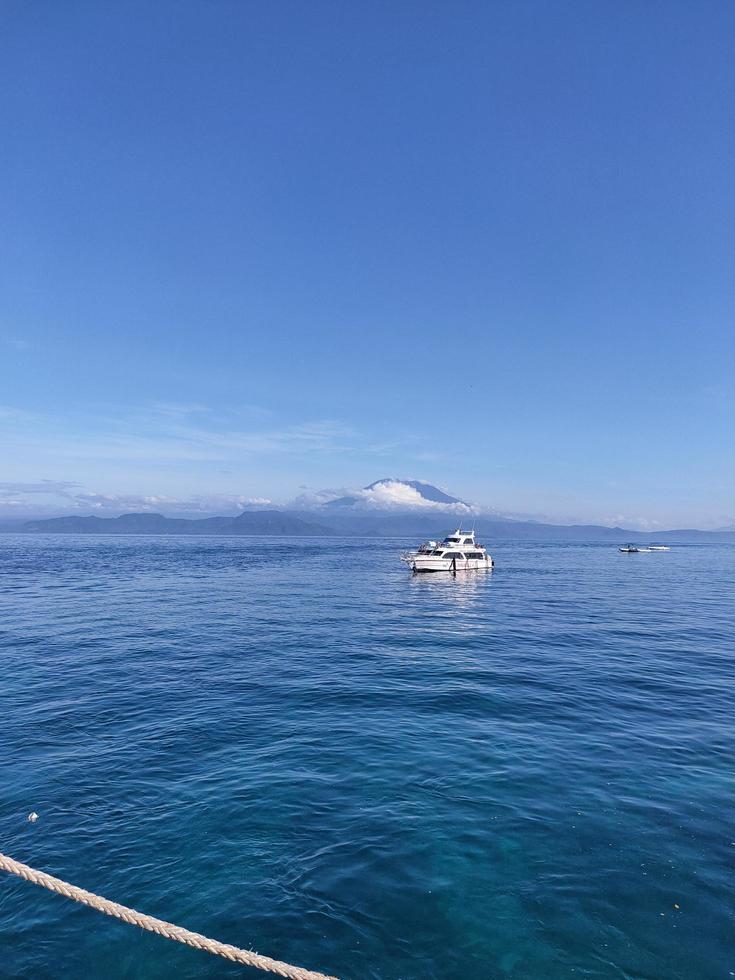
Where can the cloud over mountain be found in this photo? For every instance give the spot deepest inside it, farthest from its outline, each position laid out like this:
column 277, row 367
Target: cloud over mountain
column 396, row 495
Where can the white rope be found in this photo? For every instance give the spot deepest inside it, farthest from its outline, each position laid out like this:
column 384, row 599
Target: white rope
column 158, row 926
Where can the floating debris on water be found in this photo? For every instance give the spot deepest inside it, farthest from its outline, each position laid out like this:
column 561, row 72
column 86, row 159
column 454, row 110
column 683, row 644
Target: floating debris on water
column 32, row 817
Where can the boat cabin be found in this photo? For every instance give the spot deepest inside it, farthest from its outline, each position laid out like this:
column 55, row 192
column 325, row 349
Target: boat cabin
column 461, row 544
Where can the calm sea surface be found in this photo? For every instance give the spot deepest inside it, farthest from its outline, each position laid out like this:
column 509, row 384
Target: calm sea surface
column 295, row 746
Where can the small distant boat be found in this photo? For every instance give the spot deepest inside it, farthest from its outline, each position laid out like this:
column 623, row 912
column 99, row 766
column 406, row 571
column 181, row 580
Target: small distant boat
column 457, row 552
column 658, row 547
column 631, row 549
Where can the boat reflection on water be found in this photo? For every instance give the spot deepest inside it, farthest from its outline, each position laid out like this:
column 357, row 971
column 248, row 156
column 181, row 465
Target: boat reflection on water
column 464, row 568
column 456, row 591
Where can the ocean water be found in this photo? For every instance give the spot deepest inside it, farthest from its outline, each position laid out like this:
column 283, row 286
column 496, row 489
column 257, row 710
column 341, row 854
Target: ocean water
column 295, row 746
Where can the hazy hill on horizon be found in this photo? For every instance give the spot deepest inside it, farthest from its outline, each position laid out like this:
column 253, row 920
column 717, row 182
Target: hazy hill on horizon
column 301, row 523
column 249, row 522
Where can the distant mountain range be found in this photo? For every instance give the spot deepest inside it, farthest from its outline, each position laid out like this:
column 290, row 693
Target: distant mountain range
column 389, row 507
column 249, row 522
column 417, row 527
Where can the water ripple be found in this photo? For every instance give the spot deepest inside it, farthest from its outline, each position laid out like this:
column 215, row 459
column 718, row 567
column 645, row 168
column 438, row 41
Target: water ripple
column 295, row 746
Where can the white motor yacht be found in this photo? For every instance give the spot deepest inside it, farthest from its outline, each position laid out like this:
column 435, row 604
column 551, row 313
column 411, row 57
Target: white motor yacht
column 457, row 552
column 631, row 549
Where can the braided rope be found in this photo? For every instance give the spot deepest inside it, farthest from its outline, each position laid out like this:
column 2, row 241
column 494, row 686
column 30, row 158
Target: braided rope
column 159, row 926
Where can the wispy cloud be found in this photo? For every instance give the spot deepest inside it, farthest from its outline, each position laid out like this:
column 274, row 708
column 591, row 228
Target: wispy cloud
column 113, row 503
column 12, row 415
column 169, row 433
column 18, row 496
column 52, row 495
column 628, row 521
column 157, row 448
column 179, row 434
column 62, row 487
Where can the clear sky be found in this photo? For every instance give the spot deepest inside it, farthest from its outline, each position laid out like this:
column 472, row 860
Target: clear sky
column 250, row 248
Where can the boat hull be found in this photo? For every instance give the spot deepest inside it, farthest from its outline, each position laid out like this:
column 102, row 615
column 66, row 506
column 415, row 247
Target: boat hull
column 432, row 564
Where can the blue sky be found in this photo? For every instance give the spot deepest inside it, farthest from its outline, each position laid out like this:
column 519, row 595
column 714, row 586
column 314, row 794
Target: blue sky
column 252, row 250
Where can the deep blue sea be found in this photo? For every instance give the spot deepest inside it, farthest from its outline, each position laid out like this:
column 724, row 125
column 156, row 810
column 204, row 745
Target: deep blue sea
column 295, row 746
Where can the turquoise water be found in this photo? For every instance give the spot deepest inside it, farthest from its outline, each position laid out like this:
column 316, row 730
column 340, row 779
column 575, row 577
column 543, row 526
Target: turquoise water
column 297, row 747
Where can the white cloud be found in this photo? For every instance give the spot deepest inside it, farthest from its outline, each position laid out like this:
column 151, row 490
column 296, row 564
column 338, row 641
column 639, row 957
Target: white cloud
column 388, row 495
column 395, row 495
column 50, row 497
